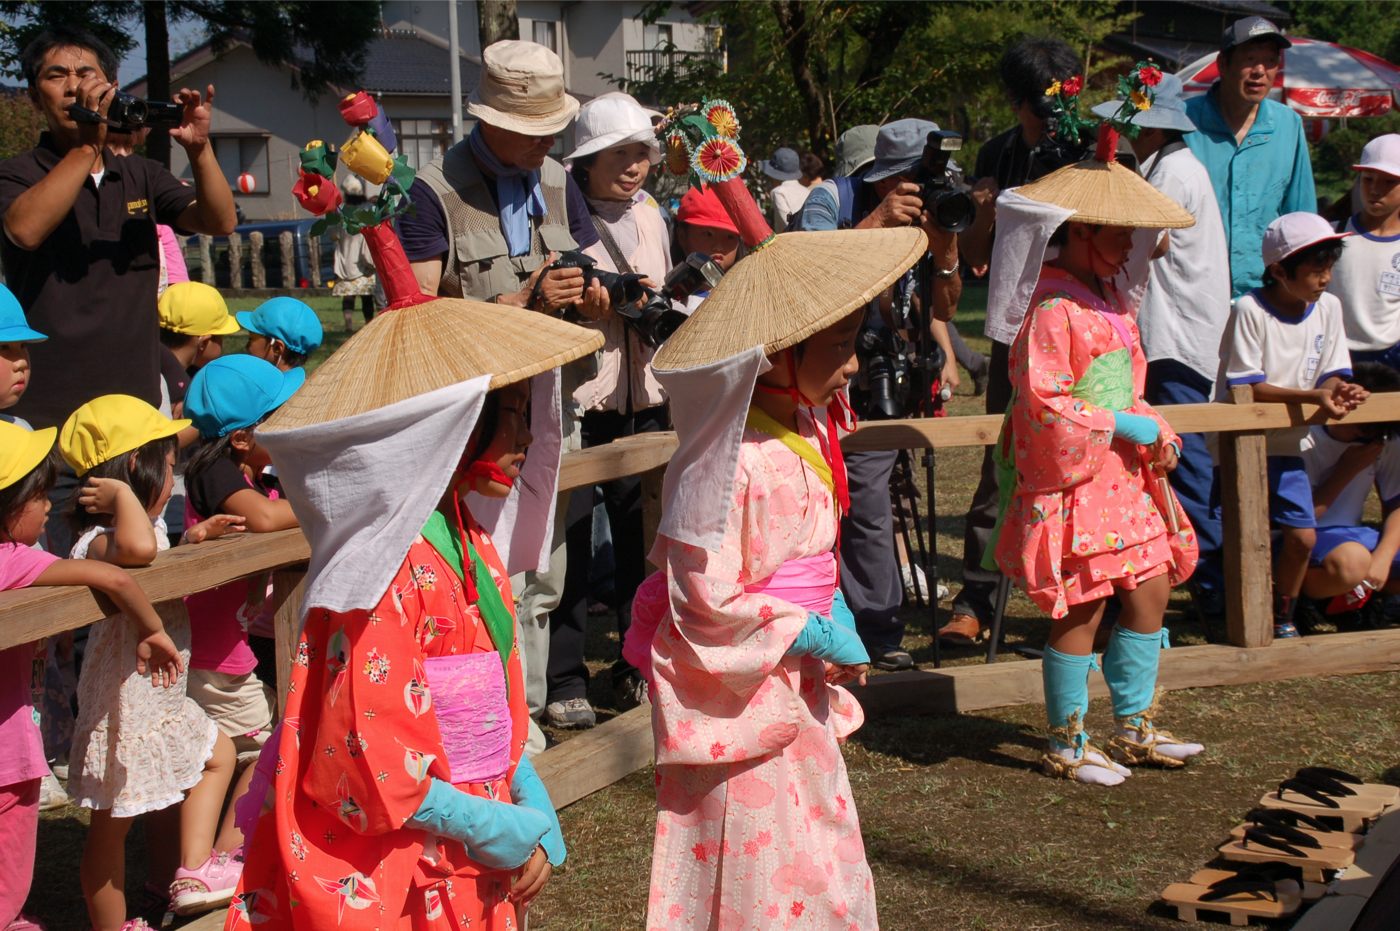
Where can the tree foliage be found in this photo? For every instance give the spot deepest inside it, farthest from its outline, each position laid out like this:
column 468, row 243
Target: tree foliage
column 803, row 72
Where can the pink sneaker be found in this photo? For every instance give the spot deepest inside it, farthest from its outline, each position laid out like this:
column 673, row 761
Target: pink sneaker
column 209, row 886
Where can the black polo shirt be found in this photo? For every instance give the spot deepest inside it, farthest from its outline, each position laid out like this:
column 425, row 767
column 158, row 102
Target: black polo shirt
column 91, row 287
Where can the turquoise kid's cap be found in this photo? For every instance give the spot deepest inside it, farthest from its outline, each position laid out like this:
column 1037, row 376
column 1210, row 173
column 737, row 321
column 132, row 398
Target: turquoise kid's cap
column 13, row 327
column 285, row 318
column 235, row 392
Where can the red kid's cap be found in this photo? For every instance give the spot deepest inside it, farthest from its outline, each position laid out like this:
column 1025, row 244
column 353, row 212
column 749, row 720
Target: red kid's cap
column 703, row 208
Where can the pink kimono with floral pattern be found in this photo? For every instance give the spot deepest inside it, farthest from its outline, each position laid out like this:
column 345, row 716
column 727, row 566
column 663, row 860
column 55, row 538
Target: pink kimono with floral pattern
column 1086, row 514
column 755, row 823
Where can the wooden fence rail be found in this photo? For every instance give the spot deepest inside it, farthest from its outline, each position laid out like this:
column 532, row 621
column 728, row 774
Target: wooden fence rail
column 597, row 759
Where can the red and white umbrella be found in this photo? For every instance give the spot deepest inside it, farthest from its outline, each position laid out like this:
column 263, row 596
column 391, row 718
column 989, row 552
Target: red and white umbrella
column 1318, row 79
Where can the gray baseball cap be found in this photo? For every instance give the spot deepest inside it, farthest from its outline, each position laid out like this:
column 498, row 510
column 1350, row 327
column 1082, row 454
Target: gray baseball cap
column 899, row 146
column 1168, row 110
column 783, row 166
column 1249, row 29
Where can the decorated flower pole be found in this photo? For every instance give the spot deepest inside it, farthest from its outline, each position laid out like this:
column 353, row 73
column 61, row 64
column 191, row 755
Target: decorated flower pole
column 1135, row 87
column 368, row 153
column 703, row 142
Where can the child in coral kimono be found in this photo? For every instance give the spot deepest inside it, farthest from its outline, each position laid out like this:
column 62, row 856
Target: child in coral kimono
column 1088, row 514
column 396, row 714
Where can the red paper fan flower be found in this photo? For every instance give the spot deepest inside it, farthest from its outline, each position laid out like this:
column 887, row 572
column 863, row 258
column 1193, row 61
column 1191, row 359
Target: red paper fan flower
column 1150, row 75
column 718, row 159
column 721, row 116
column 1073, row 85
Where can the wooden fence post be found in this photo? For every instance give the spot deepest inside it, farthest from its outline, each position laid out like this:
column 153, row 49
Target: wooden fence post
column 206, row 259
column 286, row 244
column 255, row 259
column 313, row 257
column 1244, row 495
column 235, row 260
column 288, row 590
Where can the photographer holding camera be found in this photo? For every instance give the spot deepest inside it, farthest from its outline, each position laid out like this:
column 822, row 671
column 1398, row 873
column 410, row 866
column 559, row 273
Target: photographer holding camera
column 891, row 193
column 1023, row 153
column 80, row 249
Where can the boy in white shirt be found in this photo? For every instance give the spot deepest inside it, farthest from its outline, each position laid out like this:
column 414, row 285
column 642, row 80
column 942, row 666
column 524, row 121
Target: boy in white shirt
column 1286, row 339
column 1367, row 276
column 1345, row 461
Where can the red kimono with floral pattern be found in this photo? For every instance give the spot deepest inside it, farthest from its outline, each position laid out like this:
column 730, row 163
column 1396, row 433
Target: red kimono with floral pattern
column 359, row 744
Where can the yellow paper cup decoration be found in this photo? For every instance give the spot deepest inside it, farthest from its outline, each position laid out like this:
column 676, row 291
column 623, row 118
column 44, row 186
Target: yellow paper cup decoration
column 366, row 156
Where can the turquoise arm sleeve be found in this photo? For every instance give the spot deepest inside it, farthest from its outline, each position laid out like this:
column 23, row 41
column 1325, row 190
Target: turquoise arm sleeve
column 527, row 789
column 829, row 641
column 841, row 612
column 499, row 835
column 1135, row 428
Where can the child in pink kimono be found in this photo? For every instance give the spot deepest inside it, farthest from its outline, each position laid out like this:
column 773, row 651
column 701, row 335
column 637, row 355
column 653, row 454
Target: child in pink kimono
column 1088, row 513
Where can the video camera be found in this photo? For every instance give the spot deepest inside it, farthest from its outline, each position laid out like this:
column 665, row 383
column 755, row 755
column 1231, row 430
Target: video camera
column 648, row 312
column 941, row 188
column 1053, row 151
column 129, row 114
column 894, row 377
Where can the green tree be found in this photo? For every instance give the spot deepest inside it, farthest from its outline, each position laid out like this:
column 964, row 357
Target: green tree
column 19, row 123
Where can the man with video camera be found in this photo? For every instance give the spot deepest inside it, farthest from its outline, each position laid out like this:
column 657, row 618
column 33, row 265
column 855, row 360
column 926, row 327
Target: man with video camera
column 1023, row 153
column 80, row 249
column 891, row 193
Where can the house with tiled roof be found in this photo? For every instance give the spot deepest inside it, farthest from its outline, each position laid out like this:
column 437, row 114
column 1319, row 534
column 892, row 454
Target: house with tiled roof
column 261, row 121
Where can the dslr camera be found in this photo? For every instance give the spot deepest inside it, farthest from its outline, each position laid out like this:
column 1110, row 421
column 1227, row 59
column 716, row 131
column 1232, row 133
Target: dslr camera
column 941, row 188
column 648, row 312
column 894, row 377
column 1054, row 152
column 128, row 114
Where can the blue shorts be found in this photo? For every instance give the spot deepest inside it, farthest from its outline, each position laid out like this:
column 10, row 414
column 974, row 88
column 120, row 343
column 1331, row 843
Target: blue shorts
column 1329, row 538
column 1290, row 493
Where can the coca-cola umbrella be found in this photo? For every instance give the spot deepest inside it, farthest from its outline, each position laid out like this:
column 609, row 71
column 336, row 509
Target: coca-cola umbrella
column 1318, row 79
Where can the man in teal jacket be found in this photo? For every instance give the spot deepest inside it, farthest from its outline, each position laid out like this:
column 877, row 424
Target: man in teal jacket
column 1252, row 147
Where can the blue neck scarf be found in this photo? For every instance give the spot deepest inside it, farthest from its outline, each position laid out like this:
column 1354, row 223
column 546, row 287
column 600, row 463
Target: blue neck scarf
column 518, row 194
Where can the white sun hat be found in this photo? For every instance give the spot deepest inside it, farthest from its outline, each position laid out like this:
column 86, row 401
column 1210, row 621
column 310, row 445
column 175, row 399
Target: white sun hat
column 612, row 120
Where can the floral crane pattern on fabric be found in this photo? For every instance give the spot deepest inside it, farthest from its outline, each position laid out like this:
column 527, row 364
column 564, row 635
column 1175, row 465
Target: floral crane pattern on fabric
column 1086, row 513
column 756, row 827
column 359, row 744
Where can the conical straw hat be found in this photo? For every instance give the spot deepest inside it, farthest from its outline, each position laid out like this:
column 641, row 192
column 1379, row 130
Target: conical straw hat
column 796, row 285
column 416, row 349
column 1110, row 194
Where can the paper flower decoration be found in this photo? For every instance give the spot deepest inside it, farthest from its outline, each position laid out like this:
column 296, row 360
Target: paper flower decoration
column 316, row 193
column 358, row 108
column 720, row 115
column 677, row 154
column 718, row 159
column 383, row 130
column 1135, row 88
column 1064, row 105
column 318, row 158
column 366, row 156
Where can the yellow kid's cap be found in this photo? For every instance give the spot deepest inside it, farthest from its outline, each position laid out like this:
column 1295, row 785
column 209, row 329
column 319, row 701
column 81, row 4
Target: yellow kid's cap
column 195, row 309
column 109, row 426
column 21, row 450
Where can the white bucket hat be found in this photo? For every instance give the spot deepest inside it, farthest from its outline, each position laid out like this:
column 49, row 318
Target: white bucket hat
column 522, row 90
column 612, row 120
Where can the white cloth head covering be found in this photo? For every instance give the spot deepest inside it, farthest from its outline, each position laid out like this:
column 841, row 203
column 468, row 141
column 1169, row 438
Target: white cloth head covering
column 709, row 405
column 522, row 525
column 1024, row 228
column 362, row 487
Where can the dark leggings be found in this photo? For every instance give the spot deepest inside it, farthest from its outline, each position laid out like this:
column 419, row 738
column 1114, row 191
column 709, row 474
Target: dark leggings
column 347, row 304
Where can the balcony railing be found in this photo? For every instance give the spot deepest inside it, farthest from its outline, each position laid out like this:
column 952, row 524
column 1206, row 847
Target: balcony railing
column 648, row 64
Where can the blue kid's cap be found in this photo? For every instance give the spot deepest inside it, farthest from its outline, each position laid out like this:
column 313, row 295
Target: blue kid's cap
column 285, row 318
column 234, row 392
column 13, row 327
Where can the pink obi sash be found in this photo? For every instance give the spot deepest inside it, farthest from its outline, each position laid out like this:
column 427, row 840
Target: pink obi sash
column 469, row 698
column 809, row 582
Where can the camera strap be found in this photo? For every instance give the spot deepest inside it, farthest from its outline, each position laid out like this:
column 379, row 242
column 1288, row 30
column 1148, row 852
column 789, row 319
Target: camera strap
column 1173, row 146
column 605, row 235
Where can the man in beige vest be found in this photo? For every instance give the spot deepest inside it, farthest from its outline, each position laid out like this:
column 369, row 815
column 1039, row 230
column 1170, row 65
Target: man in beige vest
column 487, row 218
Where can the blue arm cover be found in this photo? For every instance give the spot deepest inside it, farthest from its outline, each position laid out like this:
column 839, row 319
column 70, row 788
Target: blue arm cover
column 496, row 834
column 828, row 640
column 1135, row 428
column 527, row 789
column 841, row 612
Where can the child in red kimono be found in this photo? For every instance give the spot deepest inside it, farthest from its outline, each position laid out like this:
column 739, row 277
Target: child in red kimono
column 1088, row 514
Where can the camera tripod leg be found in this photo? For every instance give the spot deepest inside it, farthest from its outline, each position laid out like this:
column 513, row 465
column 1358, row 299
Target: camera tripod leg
column 931, row 556
column 998, row 615
column 901, row 517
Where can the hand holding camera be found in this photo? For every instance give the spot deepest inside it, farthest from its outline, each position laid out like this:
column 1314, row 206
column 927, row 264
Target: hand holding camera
column 901, row 207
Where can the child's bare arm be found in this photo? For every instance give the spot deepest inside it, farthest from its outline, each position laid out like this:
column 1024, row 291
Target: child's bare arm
column 1321, row 395
column 132, row 541
column 260, row 514
column 217, row 526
